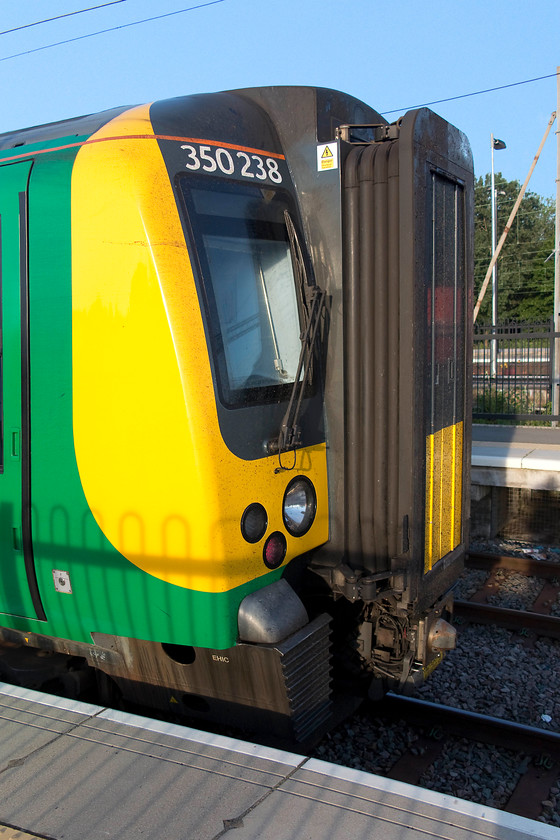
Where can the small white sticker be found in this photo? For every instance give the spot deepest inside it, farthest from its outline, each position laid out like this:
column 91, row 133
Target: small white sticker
column 62, row 581
column 327, row 156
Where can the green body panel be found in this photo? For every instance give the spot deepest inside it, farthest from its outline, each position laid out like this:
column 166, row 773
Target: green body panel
column 109, row 594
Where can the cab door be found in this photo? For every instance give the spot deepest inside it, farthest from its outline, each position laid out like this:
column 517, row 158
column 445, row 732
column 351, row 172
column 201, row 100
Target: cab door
column 18, row 584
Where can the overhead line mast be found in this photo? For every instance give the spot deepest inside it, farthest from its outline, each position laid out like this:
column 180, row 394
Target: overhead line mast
column 556, row 372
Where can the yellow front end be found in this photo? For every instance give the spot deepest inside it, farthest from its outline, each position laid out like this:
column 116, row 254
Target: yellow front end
column 163, row 486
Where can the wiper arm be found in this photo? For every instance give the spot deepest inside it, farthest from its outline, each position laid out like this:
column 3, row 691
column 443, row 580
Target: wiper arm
column 312, row 300
column 290, row 430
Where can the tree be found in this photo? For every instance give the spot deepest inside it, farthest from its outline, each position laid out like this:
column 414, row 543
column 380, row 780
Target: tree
column 525, row 280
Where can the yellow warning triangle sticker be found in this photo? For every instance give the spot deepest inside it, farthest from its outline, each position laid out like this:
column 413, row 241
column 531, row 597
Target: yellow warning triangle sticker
column 327, row 156
column 172, row 700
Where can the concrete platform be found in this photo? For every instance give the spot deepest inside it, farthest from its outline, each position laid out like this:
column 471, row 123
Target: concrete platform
column 72, row 771
column 524, row 456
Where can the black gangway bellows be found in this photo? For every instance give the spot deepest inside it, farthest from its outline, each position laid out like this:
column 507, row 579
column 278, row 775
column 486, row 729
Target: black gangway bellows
column 407, row 230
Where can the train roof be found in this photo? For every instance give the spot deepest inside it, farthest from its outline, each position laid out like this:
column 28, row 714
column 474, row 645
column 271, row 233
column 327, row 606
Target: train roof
column 88, row 124
column 76, row 126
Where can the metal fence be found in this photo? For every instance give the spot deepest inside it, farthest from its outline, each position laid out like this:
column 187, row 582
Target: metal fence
column 513, row 368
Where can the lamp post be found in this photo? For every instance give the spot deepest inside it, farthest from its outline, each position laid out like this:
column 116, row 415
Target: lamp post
column 495, row 144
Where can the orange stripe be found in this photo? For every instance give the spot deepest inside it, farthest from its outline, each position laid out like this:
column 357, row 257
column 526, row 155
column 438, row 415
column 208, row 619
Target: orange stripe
column 224, row 146
column 147, row 137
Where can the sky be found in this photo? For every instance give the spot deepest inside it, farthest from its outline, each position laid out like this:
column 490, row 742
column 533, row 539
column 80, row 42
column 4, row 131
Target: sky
column 393, row 55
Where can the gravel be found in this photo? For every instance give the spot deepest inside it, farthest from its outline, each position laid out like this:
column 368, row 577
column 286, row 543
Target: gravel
column 516, row 591
column 365, row 744
column 555, row 608
column 469, row 583
column 517, row 548
column 477, row 772
column 492, row 671
column 551, row 806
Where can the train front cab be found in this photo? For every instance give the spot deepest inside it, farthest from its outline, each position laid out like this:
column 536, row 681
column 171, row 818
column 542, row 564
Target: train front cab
column 155, row 498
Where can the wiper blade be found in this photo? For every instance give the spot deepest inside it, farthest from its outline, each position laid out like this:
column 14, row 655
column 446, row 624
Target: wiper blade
column 312, row 301
column 290, row 430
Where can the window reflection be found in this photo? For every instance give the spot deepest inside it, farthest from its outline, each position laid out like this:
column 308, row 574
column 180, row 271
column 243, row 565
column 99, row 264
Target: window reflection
column 247, row 271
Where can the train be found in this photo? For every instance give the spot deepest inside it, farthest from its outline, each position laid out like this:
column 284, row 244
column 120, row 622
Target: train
column 235, row 438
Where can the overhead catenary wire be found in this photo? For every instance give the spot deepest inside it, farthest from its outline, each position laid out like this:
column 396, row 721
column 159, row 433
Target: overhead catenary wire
column 529, row 259
column 59, row 17
column 473, row 93
column 215, row 2
column 112, row 29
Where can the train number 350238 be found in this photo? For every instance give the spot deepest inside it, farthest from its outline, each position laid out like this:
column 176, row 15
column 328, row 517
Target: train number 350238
column 210, row 159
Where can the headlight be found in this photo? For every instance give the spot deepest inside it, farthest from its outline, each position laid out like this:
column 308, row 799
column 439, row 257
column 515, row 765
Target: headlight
column 299, row 506
column 254, row 523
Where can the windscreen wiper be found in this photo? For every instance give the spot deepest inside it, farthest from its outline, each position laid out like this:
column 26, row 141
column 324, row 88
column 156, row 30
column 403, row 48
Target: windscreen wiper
column 312, row 303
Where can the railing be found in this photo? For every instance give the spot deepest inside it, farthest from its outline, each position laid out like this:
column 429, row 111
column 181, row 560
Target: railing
column 513, row 368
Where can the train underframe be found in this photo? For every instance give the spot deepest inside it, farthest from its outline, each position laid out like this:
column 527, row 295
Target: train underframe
column 289, row 686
